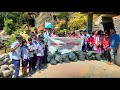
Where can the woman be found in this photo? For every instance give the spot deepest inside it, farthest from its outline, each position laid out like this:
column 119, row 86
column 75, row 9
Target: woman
column 96, row 40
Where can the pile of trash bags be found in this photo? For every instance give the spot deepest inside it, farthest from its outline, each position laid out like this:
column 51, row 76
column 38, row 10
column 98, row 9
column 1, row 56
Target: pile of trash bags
column 74, row 56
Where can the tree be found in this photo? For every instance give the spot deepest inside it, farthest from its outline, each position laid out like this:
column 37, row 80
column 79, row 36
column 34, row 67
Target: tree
column 65, row 16
column 77, row 21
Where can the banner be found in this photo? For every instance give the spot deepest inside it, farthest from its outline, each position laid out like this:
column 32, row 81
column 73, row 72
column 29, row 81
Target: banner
column 48, row 25
column 64, row 44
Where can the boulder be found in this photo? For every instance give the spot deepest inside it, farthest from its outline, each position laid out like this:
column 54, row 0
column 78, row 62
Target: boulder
column 6, row 60
column 1, row 73
column 12, row 71
column 11, row 66
column 7, row 56
column 9, row 62
column 2, row 57
column 6, row 73
column 4, row 67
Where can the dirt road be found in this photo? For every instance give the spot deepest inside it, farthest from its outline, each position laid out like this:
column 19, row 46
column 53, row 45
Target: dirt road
column 80, row 69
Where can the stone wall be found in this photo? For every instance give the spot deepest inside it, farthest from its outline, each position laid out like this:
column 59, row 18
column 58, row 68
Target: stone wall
column 6, row 66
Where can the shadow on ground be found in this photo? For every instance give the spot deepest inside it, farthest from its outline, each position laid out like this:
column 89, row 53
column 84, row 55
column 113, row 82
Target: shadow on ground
column 45, row 66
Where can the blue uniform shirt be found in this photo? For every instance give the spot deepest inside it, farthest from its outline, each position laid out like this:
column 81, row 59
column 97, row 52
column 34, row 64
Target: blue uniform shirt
column 25, row 52
column 16, row 55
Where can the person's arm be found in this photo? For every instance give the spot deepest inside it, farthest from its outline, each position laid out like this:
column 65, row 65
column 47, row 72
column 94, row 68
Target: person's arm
column 13, row 49
column 43, row 46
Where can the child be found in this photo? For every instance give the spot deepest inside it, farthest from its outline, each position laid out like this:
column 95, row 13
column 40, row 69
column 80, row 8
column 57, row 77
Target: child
column 31, row 52
column 34, row 41
column 90, row 42
column 85, row 44
column 16, row 55
column 106, row 46
column 40, row 53
column 25, row 56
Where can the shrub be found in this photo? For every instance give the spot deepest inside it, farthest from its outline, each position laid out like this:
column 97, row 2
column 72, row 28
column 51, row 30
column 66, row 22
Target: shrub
column 9, row 26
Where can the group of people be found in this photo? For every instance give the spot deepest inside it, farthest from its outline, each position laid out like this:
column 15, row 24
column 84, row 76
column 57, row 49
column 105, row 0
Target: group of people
column 101, row 42
column 32, row 47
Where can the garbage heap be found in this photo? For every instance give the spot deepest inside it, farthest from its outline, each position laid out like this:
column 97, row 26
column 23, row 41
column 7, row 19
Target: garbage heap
column 72, row 56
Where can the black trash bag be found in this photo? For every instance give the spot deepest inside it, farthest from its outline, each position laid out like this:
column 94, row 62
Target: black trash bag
column 81, row 56
column 93, row 57
column 89, row 53
column 53, row 62
column 65, row 58
column 76, row 54
column 72, row 56
column 98, row 56
column 58, row 57
column 49, row 57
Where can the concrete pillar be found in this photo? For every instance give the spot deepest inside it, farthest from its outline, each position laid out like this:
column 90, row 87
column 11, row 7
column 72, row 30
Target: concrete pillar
column 89, row 22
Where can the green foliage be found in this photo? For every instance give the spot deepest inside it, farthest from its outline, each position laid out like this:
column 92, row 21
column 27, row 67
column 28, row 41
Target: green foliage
column 77, row 21
column 63, row 31
column 13, row 36
column 9, row 26
column 63, row 25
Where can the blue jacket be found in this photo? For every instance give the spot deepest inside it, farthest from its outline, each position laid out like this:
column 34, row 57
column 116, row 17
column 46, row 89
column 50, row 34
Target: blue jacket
column 114, row 40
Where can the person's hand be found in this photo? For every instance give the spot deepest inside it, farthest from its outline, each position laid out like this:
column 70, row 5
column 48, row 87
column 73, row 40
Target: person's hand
column 18, row 45
column 31, row 48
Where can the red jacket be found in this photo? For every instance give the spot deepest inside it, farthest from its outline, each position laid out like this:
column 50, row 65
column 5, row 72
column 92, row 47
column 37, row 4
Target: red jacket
column 106, row 44
column 90, row 40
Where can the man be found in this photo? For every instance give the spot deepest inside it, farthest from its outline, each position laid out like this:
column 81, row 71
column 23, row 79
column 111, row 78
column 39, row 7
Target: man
column 16, row 54
column 26, row 33
column 46, row 35
column 114, row 43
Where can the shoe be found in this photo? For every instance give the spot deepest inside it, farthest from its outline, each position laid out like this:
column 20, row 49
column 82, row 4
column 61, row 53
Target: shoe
column 110, row 63
column 101, row 60
column 105, row 61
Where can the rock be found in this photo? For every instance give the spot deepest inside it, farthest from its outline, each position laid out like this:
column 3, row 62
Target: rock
column 72, row 56
column 12, row 76
column 53, row 62
column 9, row 62
column 1, row 73
column 11, row 66
column 6, row 73
column 12, row 71
column 6, row 60
column 7, row 56
column 4, row 67
column 2, row 57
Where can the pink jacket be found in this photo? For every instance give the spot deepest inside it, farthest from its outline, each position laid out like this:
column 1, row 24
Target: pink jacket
column 106, row 44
